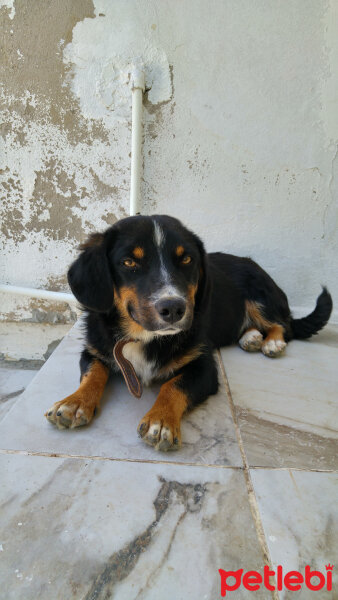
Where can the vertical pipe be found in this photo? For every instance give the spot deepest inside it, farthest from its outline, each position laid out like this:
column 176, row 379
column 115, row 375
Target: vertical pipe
column 138, row 87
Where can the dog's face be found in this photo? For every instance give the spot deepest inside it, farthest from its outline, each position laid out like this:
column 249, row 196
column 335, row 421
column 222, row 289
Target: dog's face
column 151, row 268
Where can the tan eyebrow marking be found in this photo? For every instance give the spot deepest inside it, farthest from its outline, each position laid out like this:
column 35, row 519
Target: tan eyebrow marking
column 179, row 250
column 138, row 252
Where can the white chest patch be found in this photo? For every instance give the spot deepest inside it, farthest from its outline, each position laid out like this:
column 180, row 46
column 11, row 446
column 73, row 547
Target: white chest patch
column 144, row 369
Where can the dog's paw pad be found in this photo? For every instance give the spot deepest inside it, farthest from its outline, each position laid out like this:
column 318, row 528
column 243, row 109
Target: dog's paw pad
column 251, row 341
column 273, row 348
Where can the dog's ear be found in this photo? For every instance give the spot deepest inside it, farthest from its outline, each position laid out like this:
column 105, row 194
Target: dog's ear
column 89, row 276
column 204, row 283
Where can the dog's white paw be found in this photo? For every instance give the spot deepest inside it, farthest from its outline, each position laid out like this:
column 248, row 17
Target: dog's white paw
column 160, row 431
column 251, row 340
column 273, row 348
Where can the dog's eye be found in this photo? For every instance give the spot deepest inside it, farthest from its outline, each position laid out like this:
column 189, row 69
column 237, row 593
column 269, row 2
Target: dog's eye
column 186, row 260
column 129, row 262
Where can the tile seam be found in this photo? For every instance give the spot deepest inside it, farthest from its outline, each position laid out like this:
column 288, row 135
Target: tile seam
column 4, row 451
column 248, row 481
column 303, row 469
column 115, row 459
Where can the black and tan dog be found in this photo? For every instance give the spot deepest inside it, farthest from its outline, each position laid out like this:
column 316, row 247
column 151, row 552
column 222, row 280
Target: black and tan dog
column 156, row 306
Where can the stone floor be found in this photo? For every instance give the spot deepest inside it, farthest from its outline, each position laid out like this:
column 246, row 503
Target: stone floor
column 14, row 378
column 95, row 514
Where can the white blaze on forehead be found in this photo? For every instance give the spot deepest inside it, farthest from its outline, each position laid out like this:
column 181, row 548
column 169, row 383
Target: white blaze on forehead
column 166, row 289
column 159, row 238
column 158, row 234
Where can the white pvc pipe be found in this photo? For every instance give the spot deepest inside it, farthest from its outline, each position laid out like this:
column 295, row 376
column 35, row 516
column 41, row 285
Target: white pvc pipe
column 138, row 87
column 41, row 294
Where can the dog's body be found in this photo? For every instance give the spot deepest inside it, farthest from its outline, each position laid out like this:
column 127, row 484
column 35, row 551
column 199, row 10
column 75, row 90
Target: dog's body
column 149, row 280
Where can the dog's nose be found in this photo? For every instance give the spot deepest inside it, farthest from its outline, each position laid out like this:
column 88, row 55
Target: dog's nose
column 171, row 309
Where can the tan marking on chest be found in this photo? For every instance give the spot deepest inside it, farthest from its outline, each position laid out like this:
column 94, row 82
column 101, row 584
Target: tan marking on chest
column 177, row 363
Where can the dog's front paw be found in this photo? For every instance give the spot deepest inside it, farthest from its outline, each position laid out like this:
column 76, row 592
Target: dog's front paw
column 73, row 411
column 161, row 431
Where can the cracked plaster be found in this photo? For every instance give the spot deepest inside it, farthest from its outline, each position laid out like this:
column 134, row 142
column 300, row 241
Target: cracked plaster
column 240, row 131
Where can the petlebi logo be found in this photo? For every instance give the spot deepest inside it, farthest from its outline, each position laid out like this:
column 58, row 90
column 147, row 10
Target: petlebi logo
column 291, row 580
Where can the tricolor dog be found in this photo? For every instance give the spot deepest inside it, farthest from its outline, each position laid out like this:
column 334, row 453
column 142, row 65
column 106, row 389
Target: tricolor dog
column 156, row 307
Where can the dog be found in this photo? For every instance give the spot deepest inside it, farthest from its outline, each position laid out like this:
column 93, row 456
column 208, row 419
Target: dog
column 156, row 306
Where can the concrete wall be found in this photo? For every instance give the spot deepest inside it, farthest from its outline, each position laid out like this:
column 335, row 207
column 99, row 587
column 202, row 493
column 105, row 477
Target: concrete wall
column 240, row 132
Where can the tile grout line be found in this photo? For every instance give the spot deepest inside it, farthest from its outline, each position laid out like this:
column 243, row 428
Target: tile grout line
column 302, row 469
column 249, row 485
column 4, row 451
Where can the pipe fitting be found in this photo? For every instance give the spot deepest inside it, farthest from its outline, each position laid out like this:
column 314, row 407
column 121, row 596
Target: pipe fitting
column 138, row 80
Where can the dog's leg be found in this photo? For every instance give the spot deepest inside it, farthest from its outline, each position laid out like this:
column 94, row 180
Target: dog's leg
column 251, row 340
column 161, row 426
column 79, row 408
column 274, row 343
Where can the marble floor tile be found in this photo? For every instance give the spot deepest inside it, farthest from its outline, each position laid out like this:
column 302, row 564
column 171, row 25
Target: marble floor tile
column 100, row 529
column 208, row 432
column 12, row 383
column 287, row 407
column 299, row 511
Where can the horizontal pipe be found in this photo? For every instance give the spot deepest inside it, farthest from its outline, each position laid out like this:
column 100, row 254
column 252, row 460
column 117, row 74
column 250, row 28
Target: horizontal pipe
column 36, row 293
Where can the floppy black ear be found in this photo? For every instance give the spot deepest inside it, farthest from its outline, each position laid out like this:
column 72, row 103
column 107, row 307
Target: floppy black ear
column 204, row 284
column 89, row 276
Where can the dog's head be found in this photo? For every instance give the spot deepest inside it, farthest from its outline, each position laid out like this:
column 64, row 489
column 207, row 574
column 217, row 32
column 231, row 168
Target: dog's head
column 151, row 269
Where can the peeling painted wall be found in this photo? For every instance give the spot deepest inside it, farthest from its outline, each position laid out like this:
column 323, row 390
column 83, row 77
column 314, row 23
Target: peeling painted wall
column 240, row 131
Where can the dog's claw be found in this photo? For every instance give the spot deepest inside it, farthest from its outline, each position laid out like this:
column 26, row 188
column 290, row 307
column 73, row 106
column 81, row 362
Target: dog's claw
column 142, row 428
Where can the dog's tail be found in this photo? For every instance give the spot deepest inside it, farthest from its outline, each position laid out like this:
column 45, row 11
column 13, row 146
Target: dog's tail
column 308, row 326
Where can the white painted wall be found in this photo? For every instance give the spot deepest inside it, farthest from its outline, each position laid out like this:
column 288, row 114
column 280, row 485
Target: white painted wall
column 241, row 133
